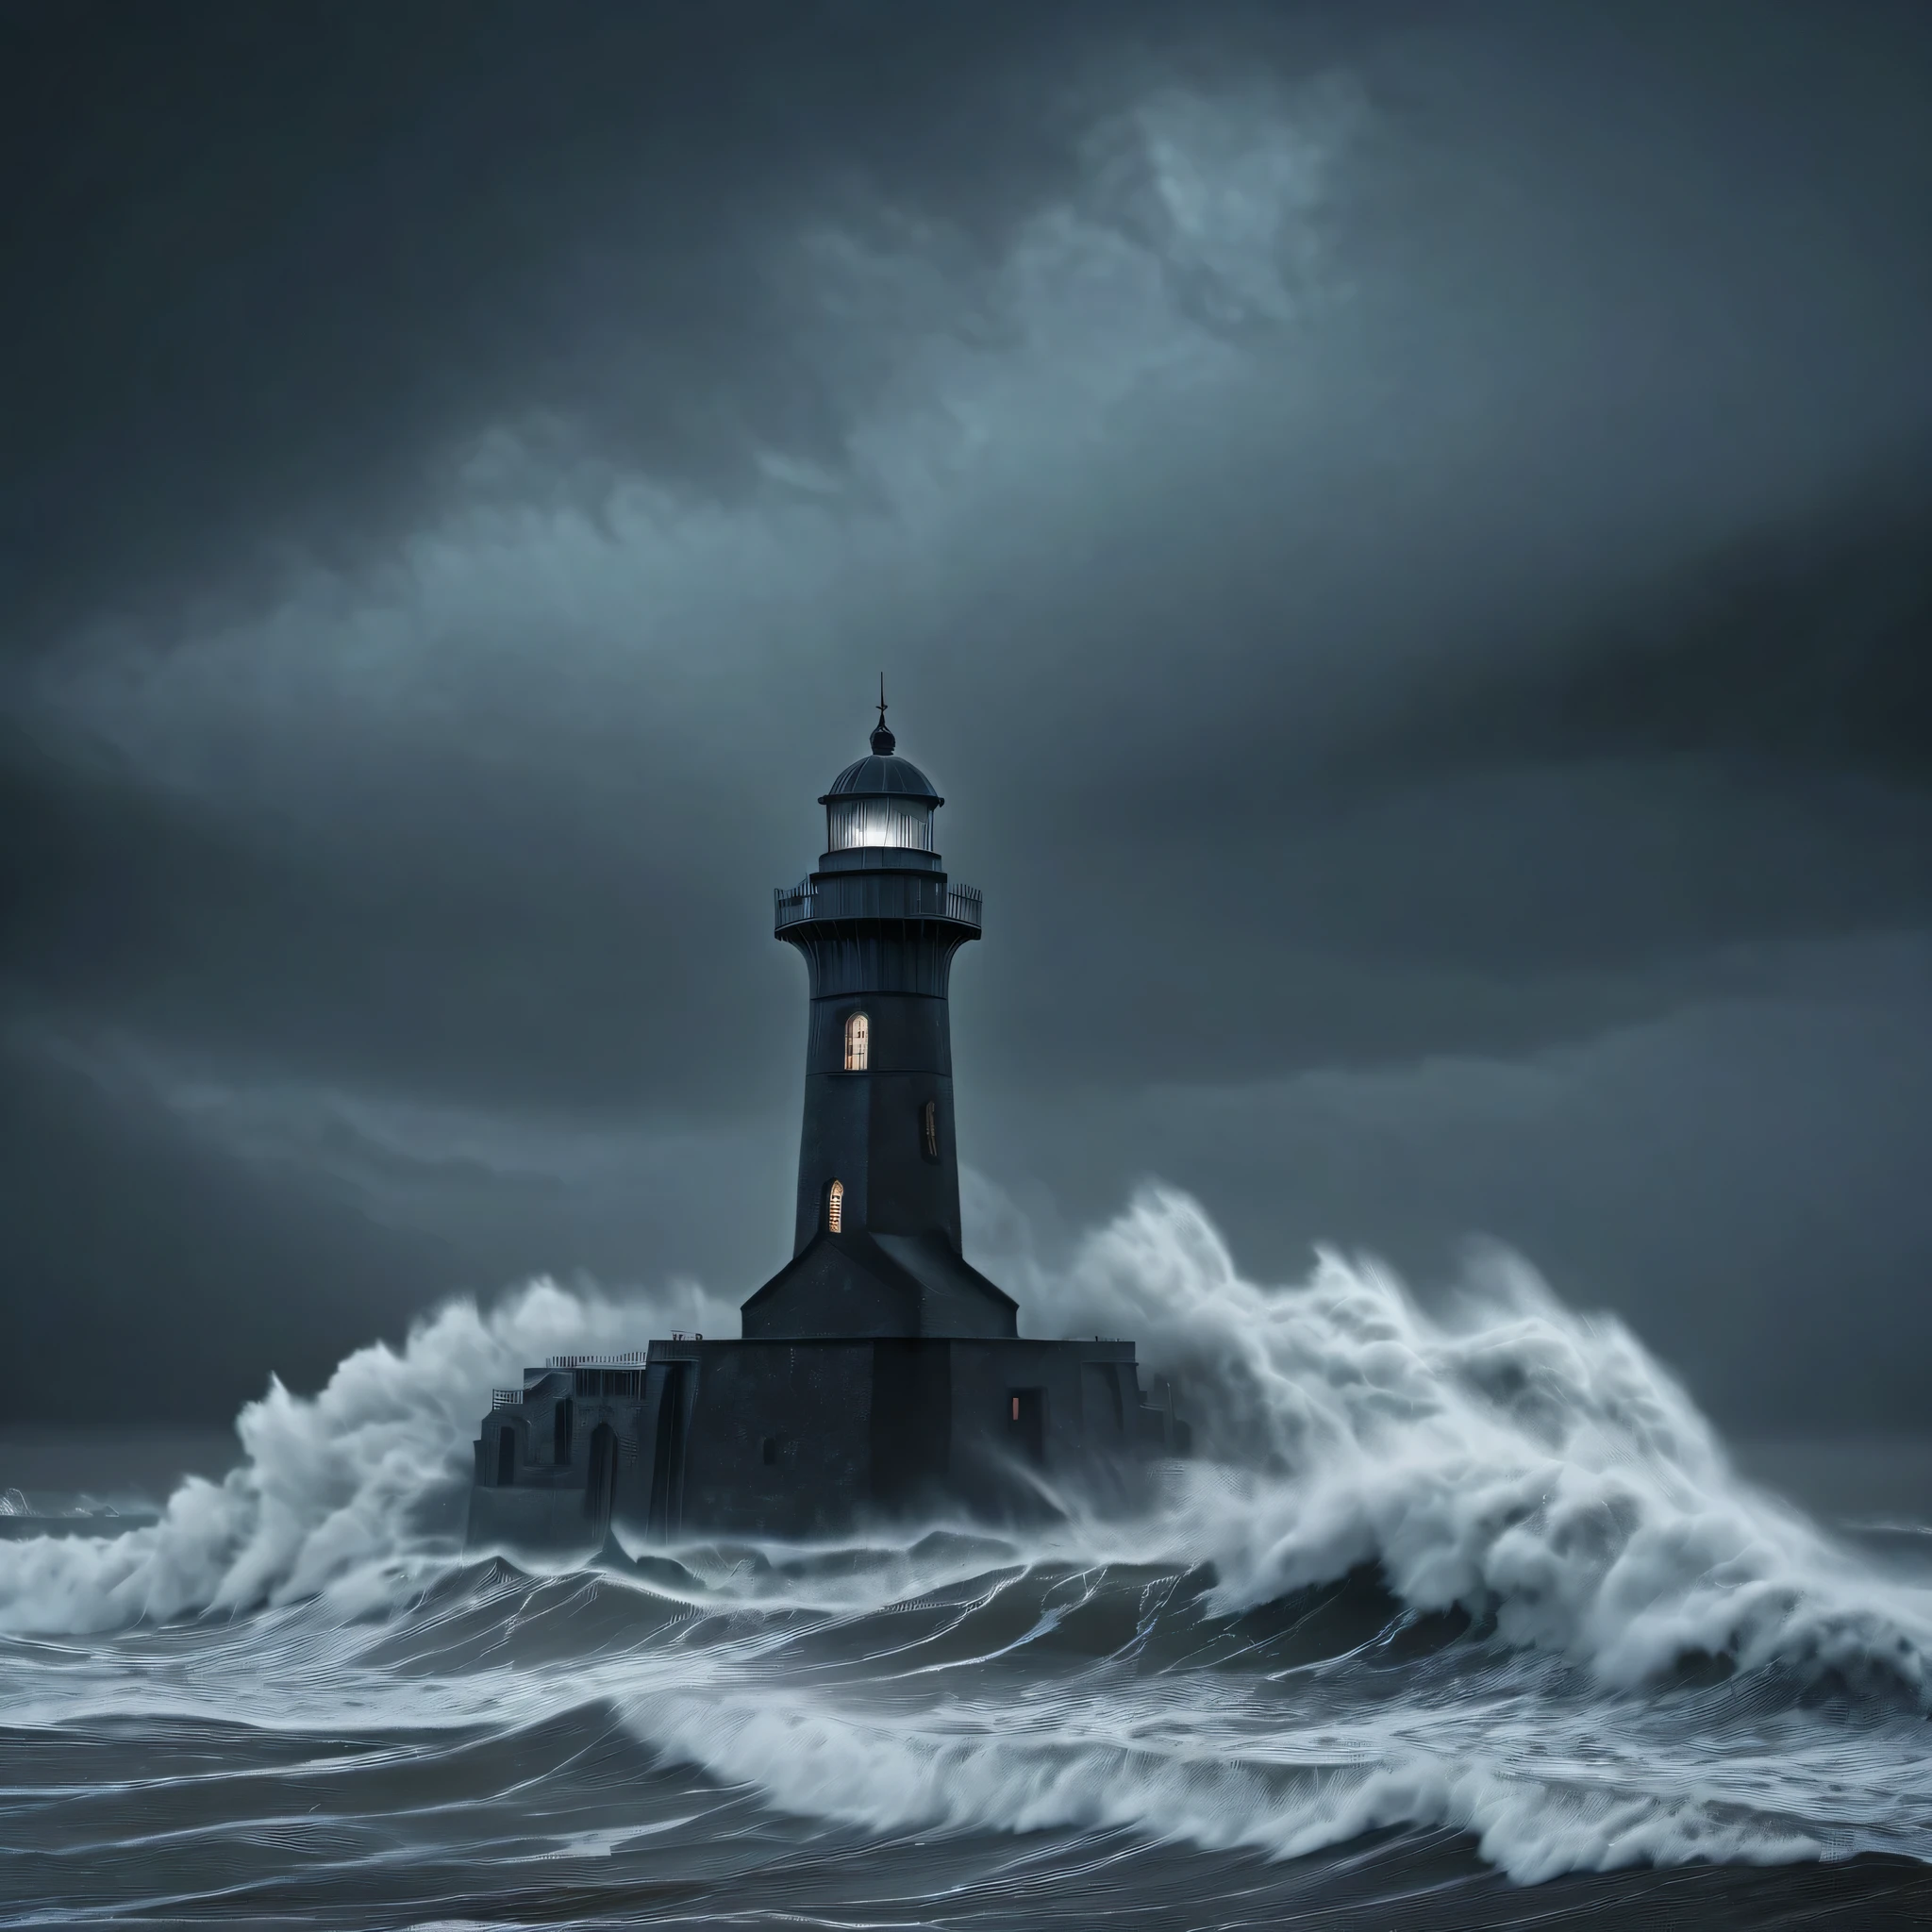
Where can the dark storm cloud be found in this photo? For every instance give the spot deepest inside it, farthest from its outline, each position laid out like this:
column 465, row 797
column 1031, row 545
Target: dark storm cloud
column 270, row 272
column 146, row 1276
column 268, row 276
column 512, row 953
column 1799, row 643
column 1403, row 533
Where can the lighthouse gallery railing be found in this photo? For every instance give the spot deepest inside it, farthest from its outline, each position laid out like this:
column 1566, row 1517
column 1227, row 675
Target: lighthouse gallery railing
column 858, row 896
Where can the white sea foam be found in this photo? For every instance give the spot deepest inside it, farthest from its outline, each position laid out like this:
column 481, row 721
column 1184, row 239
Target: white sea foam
column 1284, row 1795
column 1509, row 1457
column 1506, row 1456
column 1532, row 1466
column 331, row 1493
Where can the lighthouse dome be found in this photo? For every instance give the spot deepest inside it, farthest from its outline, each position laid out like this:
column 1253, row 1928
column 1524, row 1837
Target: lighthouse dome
column 884, row 775
column 880, row 800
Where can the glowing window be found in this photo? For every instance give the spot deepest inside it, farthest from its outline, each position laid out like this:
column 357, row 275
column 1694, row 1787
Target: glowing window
column 857, row 1033
column 835, row 1206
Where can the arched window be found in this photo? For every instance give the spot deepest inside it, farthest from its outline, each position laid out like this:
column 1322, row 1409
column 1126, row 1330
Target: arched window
column 857, row 1033
column 835, row 1208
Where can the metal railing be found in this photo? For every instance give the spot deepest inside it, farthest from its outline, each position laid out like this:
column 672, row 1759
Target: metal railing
column 794, row 905
column 591, row 1362
column 505, row 1398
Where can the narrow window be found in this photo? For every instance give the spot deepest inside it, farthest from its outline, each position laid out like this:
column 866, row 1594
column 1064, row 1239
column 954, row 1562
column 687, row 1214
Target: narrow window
column 835, row 1208
column 559, row 1433
column 505, row 1458
column 930, row 1122
column 1026, row 1424
column 768, row 1450
column 856, row 1036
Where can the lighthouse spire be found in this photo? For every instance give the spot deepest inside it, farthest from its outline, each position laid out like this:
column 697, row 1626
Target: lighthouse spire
column 882, row 739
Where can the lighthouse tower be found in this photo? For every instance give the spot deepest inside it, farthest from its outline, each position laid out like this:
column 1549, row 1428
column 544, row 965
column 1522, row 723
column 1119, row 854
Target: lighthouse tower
column 878, row 1375
column 877, row 1247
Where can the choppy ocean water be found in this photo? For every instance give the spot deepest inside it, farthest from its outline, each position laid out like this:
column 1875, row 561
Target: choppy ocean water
column 1464, row 1618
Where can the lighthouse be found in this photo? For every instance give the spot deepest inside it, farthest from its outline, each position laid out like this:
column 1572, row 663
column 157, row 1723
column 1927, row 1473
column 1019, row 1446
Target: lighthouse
column 877, row 1247
column 879, row 1376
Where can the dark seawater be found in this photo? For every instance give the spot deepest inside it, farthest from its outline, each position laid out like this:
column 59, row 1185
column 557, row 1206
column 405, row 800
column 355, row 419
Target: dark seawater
column 1462, row 1622
column 1023, row 1744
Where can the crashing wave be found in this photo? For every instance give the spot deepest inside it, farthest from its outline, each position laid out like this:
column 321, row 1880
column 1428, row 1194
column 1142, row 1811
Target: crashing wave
column 1506, row 1457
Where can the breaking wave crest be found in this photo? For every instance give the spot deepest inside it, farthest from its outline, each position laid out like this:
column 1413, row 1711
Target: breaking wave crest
column 337, row 1489
column 1507, row 1458
column 1481, row 1567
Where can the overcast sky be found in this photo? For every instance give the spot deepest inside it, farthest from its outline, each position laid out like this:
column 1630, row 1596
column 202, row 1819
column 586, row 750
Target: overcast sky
column 1403, row 533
